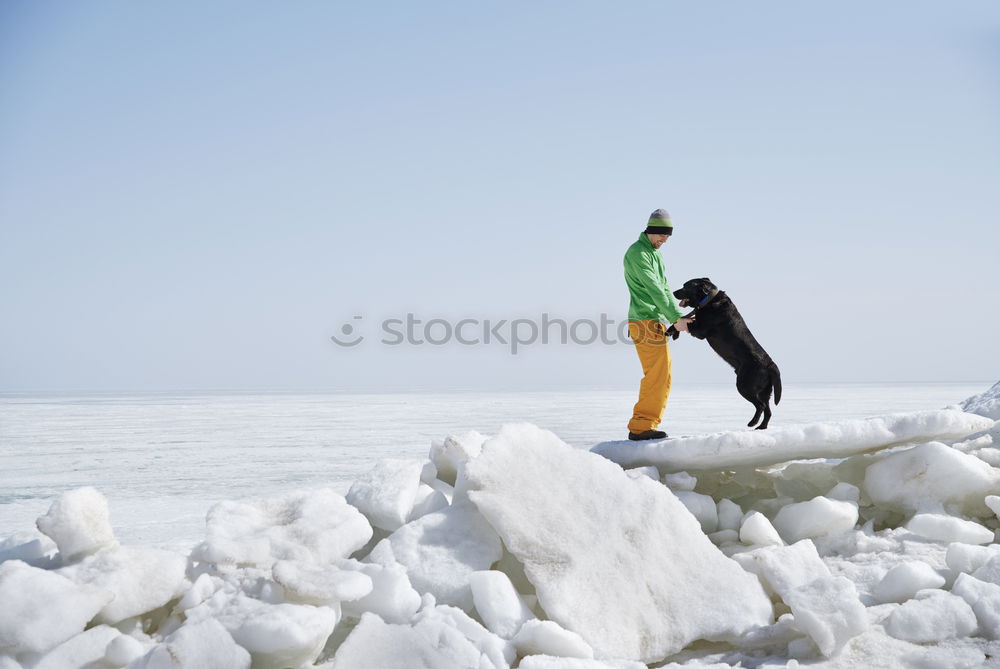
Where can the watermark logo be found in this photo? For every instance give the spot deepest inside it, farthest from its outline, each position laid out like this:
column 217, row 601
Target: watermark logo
column 513, row 333
column 349, row 336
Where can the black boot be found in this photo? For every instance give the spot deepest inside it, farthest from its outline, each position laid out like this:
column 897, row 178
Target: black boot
column 648, row 434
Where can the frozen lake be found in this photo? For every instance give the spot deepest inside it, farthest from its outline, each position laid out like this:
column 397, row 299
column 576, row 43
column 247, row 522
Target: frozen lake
column 164, row 459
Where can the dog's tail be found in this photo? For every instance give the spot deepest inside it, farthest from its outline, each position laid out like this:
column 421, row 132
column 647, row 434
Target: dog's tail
column 776, row 382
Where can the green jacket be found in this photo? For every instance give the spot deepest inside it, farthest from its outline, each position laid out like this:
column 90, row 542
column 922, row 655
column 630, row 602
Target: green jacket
column 651, row 297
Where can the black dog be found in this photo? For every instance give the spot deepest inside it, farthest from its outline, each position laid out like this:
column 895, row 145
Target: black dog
column 717, row 320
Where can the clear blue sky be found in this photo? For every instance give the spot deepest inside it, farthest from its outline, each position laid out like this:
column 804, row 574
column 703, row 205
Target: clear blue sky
column 197, row 195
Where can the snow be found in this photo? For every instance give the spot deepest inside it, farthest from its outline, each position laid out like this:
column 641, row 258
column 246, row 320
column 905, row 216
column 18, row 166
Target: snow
column 939, row 527
column 441, row 551
column 820, row 516
column 308, row 583
column 990, row 571
column 828, row 610
column 30, row 547
column 781, row 444
column 824, row 606
column 648, row 472
column 449, row 455
column 986, row 403
column 678, row 481
column 552, row 662
column 200, row 645
column 904, row 580
column 544, row 637
column 275, row 635
column 140, row 579
column 784, row 568
column 499, row 605
column 935, row 617
column 845, row 492
column 428, row 500
column 122, row 650
column 730, row 515
column 78, row 522
column 923, row 479
column 386, row 494
column 81, row 651
column 702, row 507
column 42, row 609
column 317, row 525
column 432, row 643
column 518, row 550
column 965, row 558
column 757, row 530
column 619, row 561
column 392, row 596
column 984, row 598
column 494, row 650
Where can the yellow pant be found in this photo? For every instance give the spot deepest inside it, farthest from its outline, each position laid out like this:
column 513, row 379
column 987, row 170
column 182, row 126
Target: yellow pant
column 654, row 354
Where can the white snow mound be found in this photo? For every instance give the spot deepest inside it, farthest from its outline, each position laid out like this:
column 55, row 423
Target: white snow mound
column 924, row 478
column 818, row 517
column 40, row 609
column 141, row 579
column 435, row 642
column 619, row 561
column 317, row 526
column 78, row 521
column 441, row 551
column 986, row 403
column 387, row 493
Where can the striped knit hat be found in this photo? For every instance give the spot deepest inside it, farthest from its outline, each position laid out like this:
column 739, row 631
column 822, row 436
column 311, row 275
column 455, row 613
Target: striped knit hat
column 659, row 223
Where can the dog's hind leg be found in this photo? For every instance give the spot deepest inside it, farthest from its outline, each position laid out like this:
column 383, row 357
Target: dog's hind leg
column 751, row 397
column 767, row 417
column 764, row 399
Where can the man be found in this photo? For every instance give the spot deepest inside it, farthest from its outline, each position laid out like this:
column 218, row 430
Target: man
column 652, row 303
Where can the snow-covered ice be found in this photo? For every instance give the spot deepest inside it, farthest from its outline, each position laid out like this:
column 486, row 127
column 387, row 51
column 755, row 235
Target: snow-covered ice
column 392, row 595
column 924, row 478
column 500, row 606
column 205, row 644
column 78, row 522
column 451, row 453
column 986, row 403
column 82, row 651
column 937, row 616
column 818, row 517
column 872, row 541
column 620, row 561
column 984, row 598
column 387, row 493
column 757, row 530
column 905, row 580
column 319, row 584
column 275, row 634
column 140, row 579
column 702, row 507
column 939, row 527
column 781, row 444
column 441, row 551
column 318, row 525
column 437, row 640
column 42, row 609
column 828, row 610
column 545, row 637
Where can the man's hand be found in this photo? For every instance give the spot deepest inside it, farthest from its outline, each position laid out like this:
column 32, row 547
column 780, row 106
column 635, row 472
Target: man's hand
column 682, row 324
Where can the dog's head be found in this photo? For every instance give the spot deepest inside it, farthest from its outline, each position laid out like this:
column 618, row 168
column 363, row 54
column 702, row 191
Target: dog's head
column 694, row 291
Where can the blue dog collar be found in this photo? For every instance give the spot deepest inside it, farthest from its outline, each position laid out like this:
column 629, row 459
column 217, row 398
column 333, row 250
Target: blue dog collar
column 708, row 297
